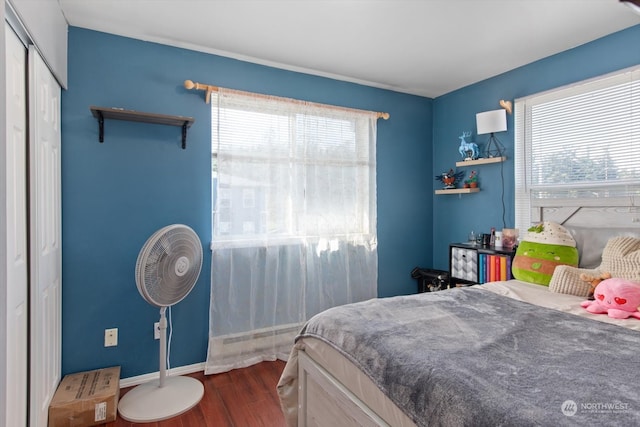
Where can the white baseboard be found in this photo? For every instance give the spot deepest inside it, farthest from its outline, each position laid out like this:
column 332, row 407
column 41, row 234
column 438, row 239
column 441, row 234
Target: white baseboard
column 180, row 370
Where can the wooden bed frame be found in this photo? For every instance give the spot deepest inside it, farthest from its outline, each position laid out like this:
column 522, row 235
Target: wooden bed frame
column 322, row 397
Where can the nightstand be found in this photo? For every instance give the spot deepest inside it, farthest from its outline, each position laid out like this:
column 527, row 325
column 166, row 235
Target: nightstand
column 471, row 264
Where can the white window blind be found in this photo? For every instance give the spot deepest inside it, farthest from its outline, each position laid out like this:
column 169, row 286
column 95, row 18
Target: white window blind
column 298, row 170
column 578, row 144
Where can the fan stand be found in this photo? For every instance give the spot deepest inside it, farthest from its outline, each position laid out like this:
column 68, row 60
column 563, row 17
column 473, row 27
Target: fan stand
column 164, row 398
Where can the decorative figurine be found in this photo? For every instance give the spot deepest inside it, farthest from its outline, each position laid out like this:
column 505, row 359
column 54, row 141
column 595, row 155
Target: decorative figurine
column 449, row 178
column 468, row 150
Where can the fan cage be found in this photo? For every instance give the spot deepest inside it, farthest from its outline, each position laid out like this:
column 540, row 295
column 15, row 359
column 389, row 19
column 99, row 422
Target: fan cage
column 168, row 265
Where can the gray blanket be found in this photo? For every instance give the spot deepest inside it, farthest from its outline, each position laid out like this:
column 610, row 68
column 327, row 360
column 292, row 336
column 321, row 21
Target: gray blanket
column 469, row 357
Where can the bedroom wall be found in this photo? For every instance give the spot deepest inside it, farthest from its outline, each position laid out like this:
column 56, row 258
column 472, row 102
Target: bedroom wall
column 456, row 215
column 116, row 194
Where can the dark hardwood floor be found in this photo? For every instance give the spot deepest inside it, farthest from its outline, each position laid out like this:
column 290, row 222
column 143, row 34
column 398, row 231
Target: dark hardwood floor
column 240, row 398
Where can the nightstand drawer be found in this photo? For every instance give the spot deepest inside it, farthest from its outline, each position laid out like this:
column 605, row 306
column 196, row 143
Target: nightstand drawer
column 464, row 264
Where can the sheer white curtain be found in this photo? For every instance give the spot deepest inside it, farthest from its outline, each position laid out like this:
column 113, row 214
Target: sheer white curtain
column 294, row 221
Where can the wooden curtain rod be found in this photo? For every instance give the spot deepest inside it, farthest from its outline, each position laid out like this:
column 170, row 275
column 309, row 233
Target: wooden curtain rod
column 210, row 88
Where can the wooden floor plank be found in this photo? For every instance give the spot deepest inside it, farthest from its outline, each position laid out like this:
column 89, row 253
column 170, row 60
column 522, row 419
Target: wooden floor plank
column 239, row 398
column 215, row 413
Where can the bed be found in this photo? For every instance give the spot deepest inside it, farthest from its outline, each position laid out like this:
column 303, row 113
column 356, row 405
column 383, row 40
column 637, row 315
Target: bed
column 501, row 353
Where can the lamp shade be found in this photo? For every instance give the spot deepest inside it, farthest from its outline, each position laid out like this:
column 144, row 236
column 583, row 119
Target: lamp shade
column 491, row 121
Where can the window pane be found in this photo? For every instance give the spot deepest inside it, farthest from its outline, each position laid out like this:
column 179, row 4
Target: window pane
column 578, row 142
column 284, row 171
column 588, row 137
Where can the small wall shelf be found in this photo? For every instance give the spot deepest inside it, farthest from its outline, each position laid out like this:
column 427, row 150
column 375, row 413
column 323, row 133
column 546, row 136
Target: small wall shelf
column 102, row 113
column 458, row 191
column 481, row 161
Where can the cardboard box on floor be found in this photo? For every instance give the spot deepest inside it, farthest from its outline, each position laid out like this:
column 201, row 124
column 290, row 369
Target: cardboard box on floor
column 86, row 399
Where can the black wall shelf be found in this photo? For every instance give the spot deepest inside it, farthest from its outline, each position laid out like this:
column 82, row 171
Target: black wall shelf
column 102, row 113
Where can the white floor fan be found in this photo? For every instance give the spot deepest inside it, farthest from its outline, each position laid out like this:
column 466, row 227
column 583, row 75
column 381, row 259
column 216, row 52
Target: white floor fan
column 167, row 269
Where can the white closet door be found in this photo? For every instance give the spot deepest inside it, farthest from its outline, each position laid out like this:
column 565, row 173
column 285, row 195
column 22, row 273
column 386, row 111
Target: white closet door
column 45, row 245
column 14, row 390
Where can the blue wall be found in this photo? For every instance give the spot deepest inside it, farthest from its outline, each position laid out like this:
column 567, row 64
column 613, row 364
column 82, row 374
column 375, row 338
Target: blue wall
column 116, row 194
column 456, row 215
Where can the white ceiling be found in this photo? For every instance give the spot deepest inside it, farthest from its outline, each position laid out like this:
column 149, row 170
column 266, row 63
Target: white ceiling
column 422, row 47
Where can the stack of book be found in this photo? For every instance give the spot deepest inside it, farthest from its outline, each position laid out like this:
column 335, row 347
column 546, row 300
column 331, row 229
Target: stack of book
column 493, row 268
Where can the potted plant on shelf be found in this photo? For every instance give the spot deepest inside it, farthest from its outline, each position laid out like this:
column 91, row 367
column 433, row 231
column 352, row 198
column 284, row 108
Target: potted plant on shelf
column 472, row 181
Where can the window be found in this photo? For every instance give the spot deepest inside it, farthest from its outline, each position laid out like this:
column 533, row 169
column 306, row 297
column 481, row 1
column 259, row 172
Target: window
column 292, row 170
column 294, row 221
column 248, row 198
column 578, row 145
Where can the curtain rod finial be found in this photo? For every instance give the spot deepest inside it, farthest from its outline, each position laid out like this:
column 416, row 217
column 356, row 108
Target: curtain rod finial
column 507, row 105
column 385, row 116
column 189, row 84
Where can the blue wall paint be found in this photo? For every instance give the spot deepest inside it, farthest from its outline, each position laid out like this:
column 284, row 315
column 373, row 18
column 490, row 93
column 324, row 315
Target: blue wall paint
column 116, row 194
column 455, row 216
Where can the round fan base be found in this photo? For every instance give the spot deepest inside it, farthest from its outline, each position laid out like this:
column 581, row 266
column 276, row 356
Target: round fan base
column 149, row 402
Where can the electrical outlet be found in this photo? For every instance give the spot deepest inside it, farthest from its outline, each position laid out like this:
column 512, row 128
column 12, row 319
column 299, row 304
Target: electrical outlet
column 156, row 330
column 111, row 337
